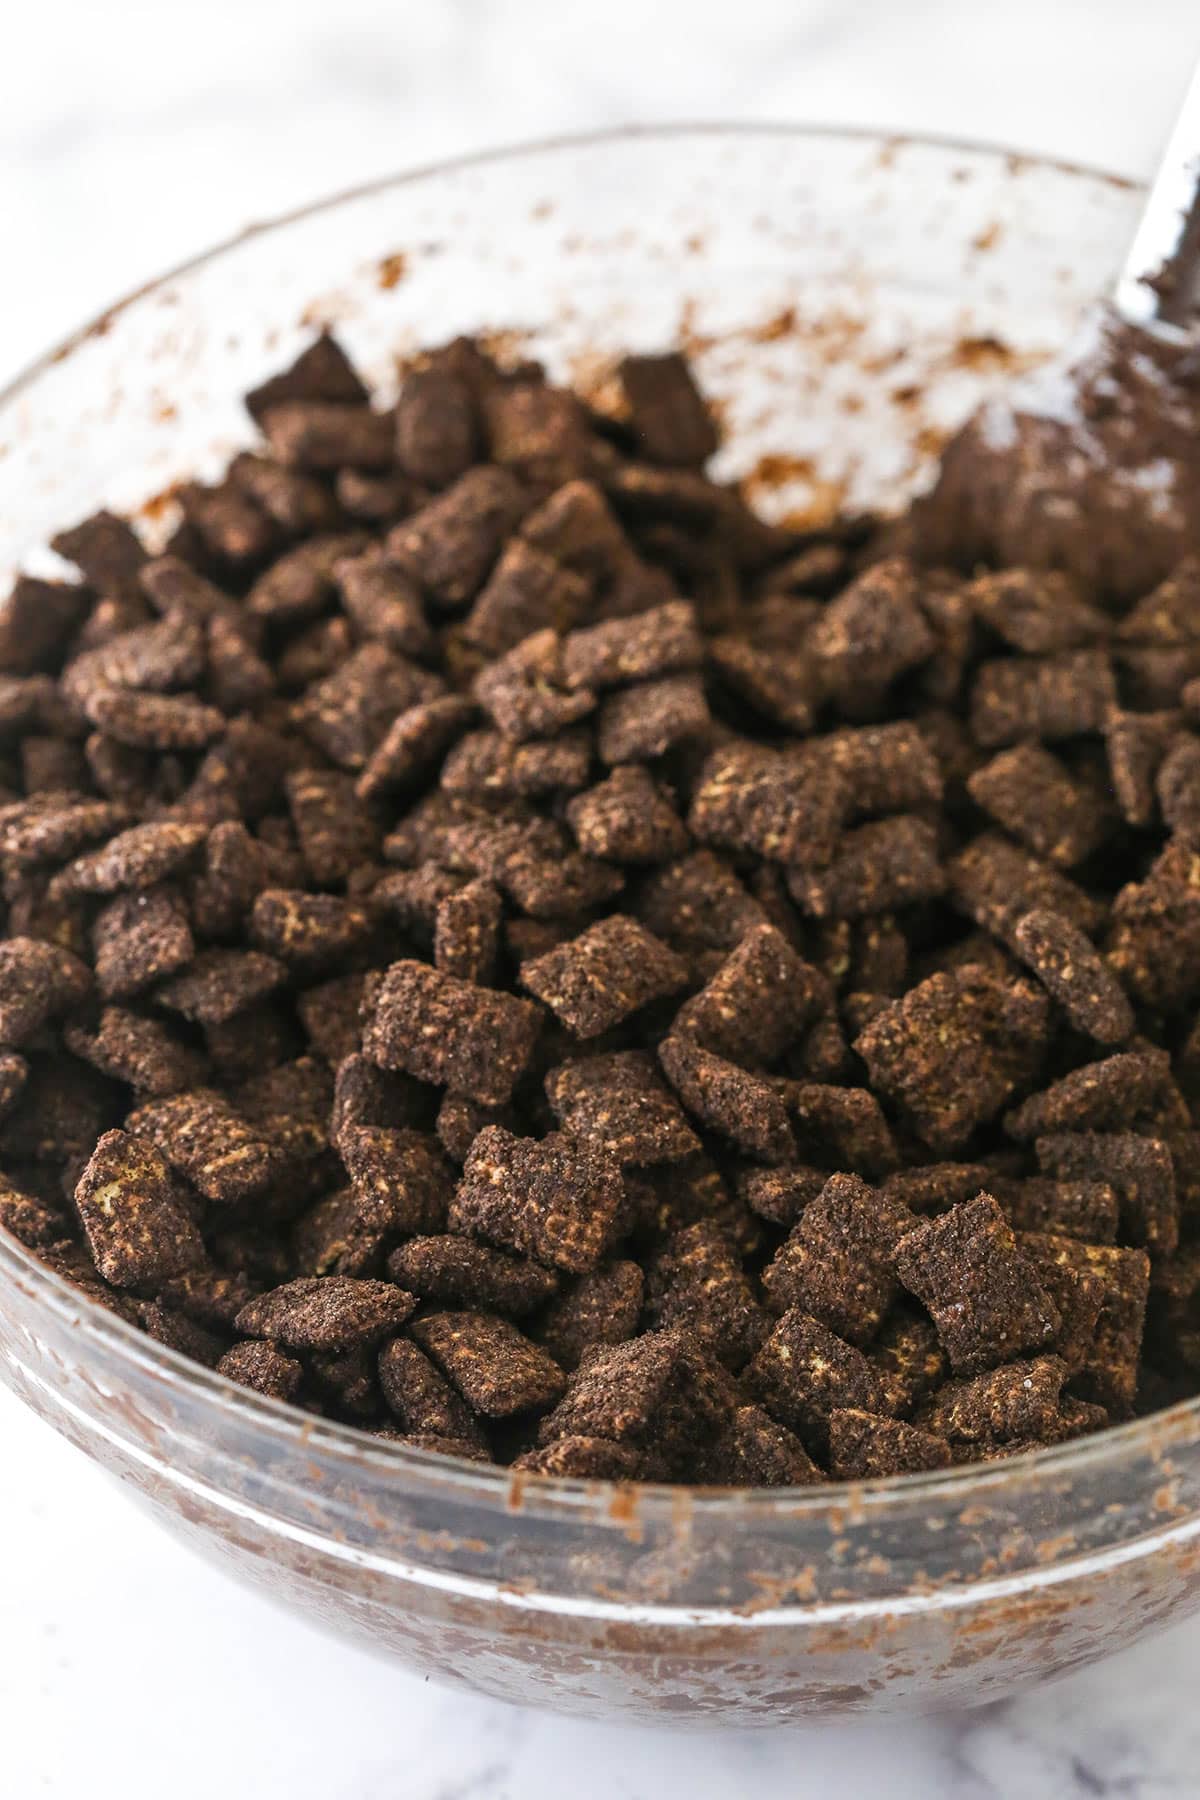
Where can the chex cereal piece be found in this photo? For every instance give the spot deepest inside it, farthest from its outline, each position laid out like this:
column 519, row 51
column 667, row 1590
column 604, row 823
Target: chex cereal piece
column 1177, row 786
column 322, row 371
column 348, row 714
column 934, row 1187
column 983, row 1293
column 459, row 1272
column 37, row 982
column 1110, row 1373
column 1034, row 796
column 627, row 818
column 662, row 641
column 875, row 868
column 698, row 903
column 1050, row 697
column 601, row 1308
column 1088, row 1210
column 666, row 409
column 467, row 932
column 497, row 1370
column 525, row 691
column 582, row 1459
column 754, row 1450
column 334, row 830
column 385, row 603
column 31, row 1220
column 555, row 1199
column 620, row 1103
column 996, row 883
column 263, row 1367
column 327, row 1313
column 650, row 718
column 786, row 807
column 1039, row 611
column 307, row 931
column 136, row 1049
column 842, row 1125
column 421, row 1397
column 604, row 975
column 1019, row 1401
column 863, row 1446
column 885, row 768
column 1079, row 1295
column 452, row 1032
column 50, row 826
column 209, row 1298
column 486, row 765
column 137, row 858
column 909, row 1355
column 1136, row 743
column 414, row 742
column 838, row 1263
column 1096, row 1095
column 1141, row 1169
column 952, row 1051
column 780, row 1195
column 451, row 543
column 747, row 1109
column 219, row 983
column 137, row 1226
column 661, row 1393
column 1071, row 969
column 804, row 1371
column 696, row 1280
column 401, row 1180
column 870, row 635
column 202, row 1136
column 332, row 1239
column 527, row 591
column 757, row 1004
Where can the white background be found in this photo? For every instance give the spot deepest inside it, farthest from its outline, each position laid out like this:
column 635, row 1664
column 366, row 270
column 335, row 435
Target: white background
column 131, row 135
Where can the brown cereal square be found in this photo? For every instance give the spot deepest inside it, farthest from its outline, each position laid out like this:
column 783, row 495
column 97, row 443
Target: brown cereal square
column 865, row 1446
column 451, row 543
column 556, row 1199
column 466, row 938
column 414, row 743
column 348, row 714
column 868, row 636
column 1019, row 1401
column 422, row 1399
column 627, row 818
column 138, row 1050
column 757, row 1004
column 600, row 1309
column 1110, row 1374
column 879, row 866
column 497, row 1370
column 139, row 938
column 620, row 1104
column 137, row 1226
column 1095, row 1096
column 38, row 981
column 1050, row 697
column 1141, row 1170
column 334, row 829
column 804, row 1372
column 697, row 1281
column 747, row 1109
column 982, row 1291
column 842, row 1125
column 1074, row 973
column 610, row 971
column 451, row 1032
column 400, row 1178
column 952, row 1051
column 668, row 414
column 524, row 692
column 698, row 903
column 329, row 1313
column 650, row 718
column 660, row 1394
column 664, row 640
column 1035, row 797
column 263, row 1367
column 459, row 1272
column 219, row 983
column 526, row 592
column 783, row 806
column 838, row 1263
column 201, row 1136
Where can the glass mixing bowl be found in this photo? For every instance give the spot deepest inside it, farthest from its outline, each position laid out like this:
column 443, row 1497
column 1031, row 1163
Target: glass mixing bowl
column 847, row 299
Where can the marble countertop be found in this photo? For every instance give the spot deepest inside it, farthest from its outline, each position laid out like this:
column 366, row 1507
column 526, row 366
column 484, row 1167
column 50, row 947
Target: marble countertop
column 132, row 135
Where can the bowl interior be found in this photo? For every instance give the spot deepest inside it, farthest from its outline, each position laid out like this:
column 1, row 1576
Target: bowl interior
column 847, row 299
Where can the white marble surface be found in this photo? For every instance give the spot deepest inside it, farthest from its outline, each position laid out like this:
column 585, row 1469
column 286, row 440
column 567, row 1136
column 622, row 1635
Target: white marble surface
column 131, row 135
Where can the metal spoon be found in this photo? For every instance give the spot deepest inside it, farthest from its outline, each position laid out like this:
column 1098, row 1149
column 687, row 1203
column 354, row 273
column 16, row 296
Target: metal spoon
column 1092, row 464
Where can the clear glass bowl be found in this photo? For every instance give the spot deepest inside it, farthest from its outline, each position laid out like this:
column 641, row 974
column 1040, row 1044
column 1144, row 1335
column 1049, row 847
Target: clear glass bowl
column 847, row 298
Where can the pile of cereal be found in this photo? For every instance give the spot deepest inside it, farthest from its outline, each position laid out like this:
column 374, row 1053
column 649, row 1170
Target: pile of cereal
column 507, row 949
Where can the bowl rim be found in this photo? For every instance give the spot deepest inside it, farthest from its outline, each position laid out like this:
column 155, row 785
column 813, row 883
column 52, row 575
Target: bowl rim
column 492, row 1485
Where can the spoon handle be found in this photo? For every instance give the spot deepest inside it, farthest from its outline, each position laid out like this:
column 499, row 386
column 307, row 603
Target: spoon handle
column 1159, row 286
